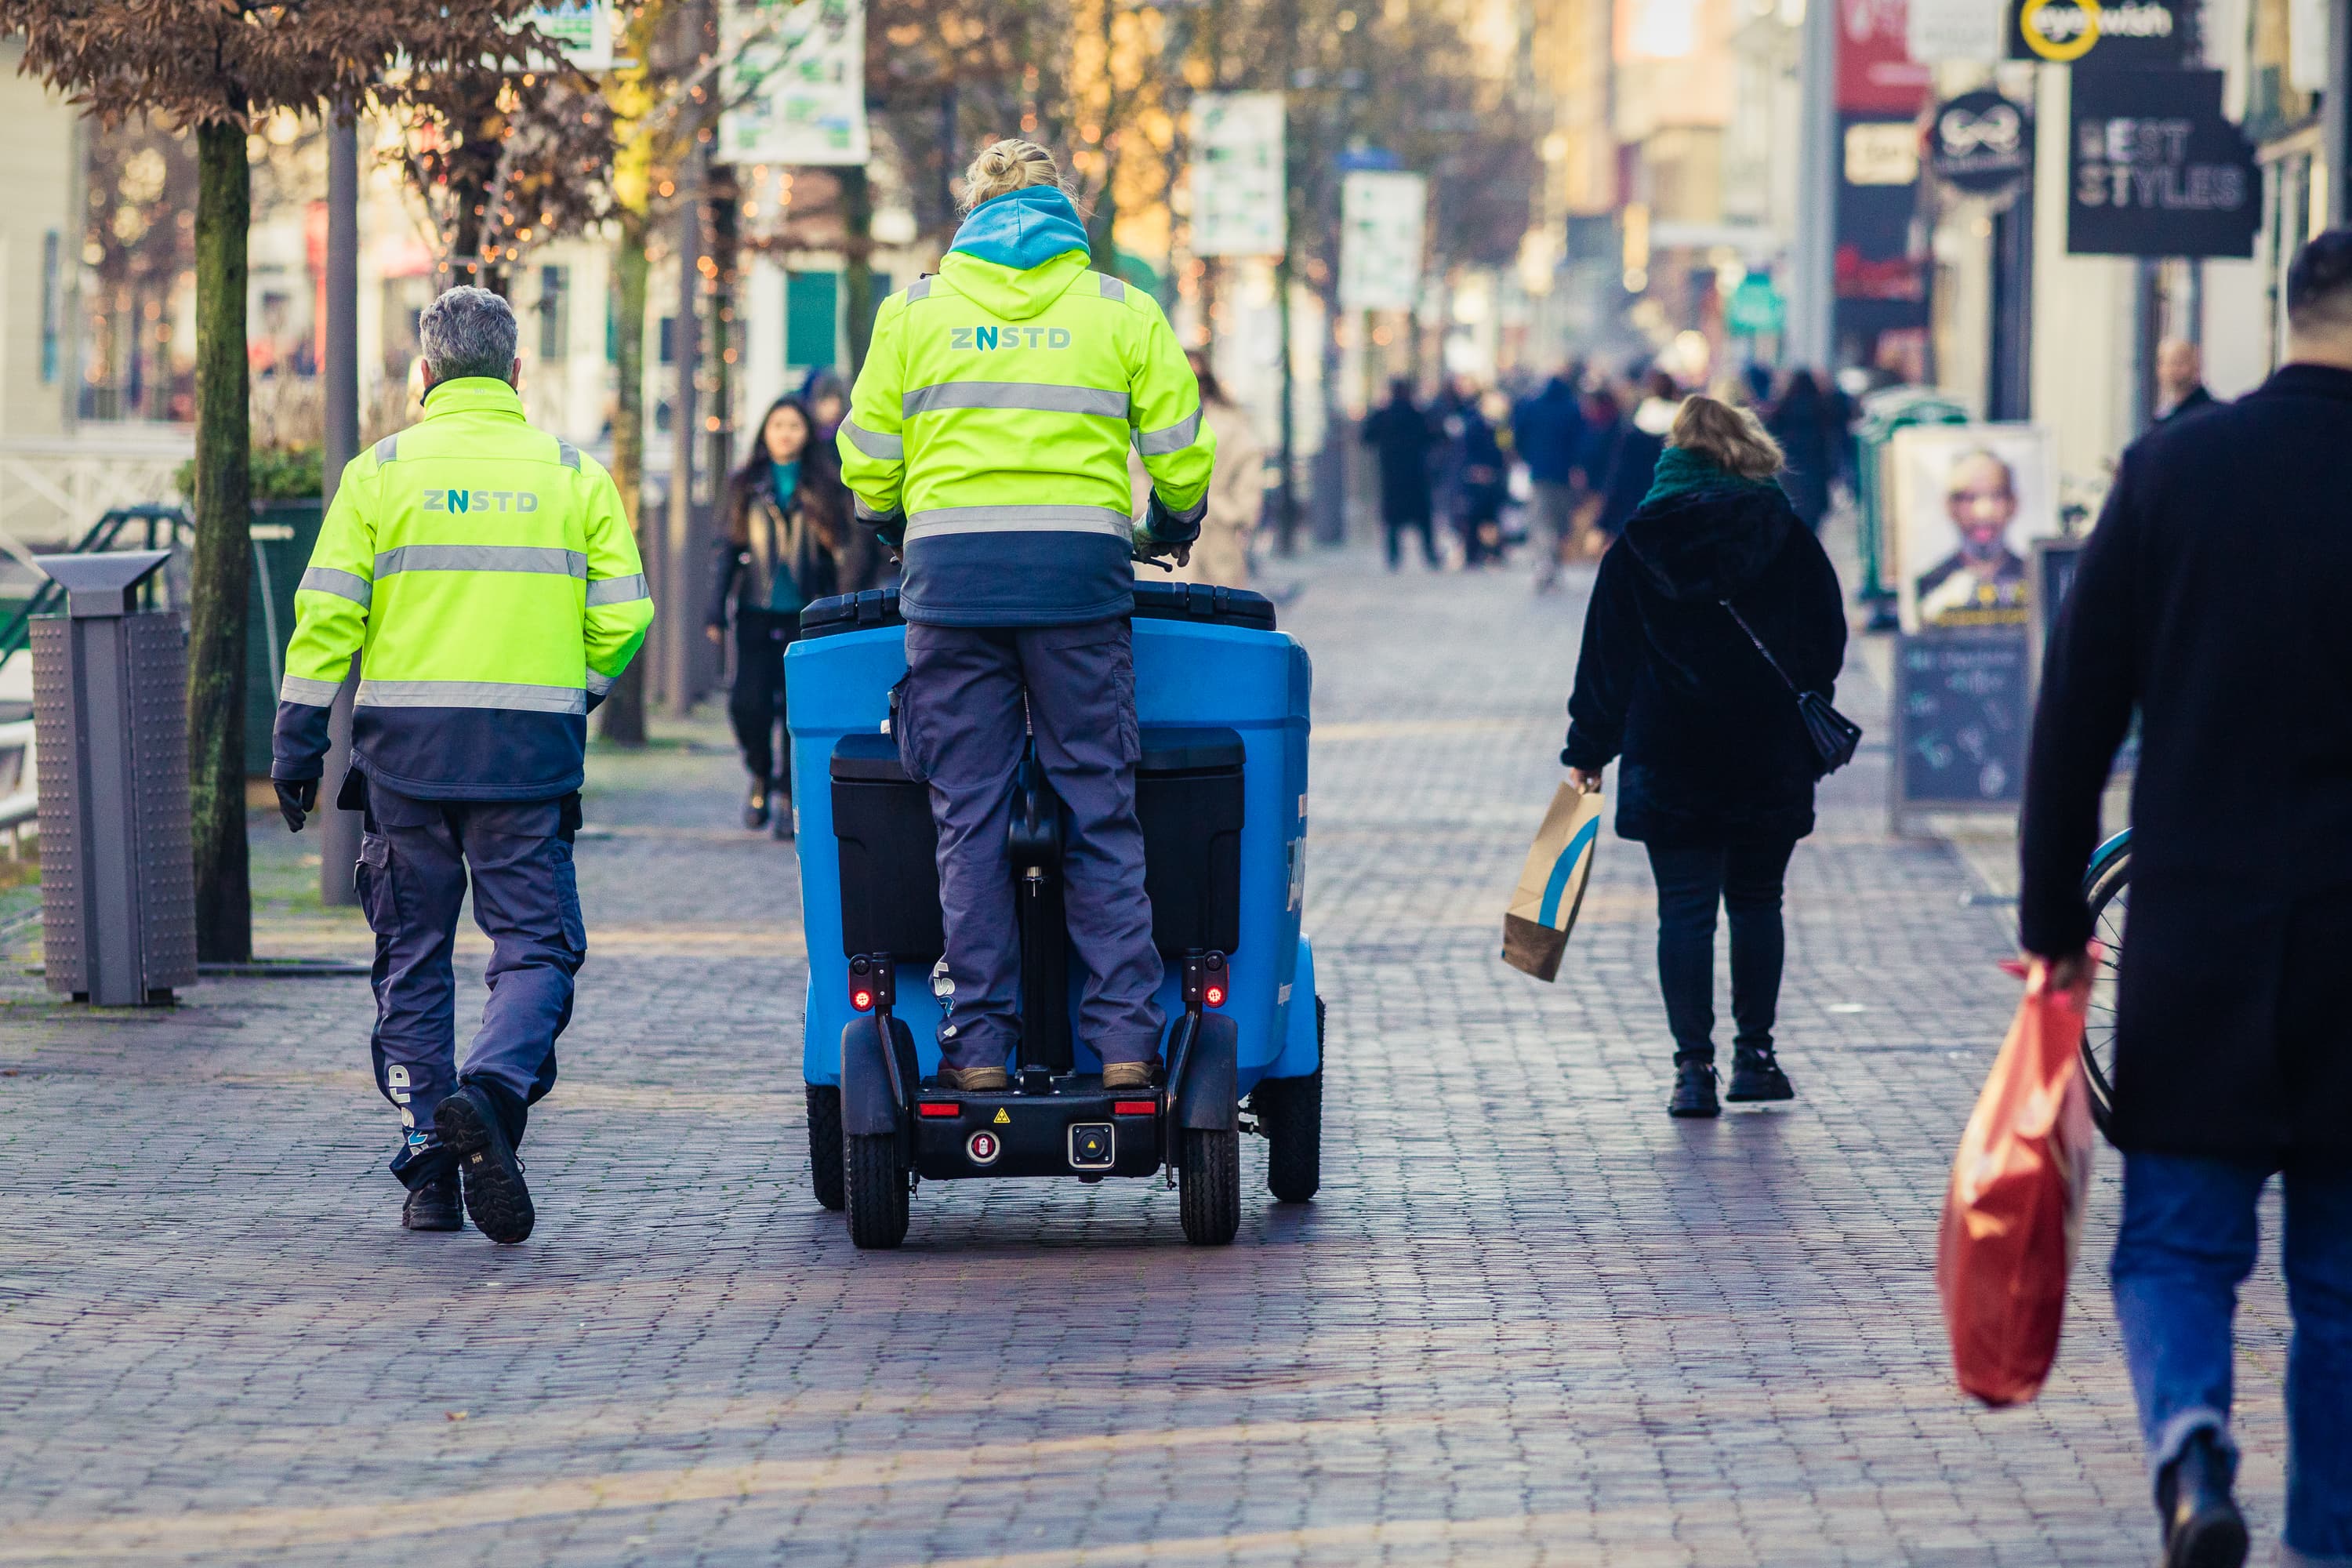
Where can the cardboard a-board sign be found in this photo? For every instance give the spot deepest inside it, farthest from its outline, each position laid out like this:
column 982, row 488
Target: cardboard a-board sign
column 1551, row 884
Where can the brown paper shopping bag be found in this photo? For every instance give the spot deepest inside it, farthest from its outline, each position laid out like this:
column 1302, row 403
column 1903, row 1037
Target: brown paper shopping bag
column 1551, row 884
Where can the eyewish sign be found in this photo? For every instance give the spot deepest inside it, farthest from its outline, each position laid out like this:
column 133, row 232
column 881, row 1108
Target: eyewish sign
column 2155, row 169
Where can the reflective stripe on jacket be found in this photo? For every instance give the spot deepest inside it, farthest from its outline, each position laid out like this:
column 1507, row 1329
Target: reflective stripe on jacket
column 485, row 573
column 989, row 432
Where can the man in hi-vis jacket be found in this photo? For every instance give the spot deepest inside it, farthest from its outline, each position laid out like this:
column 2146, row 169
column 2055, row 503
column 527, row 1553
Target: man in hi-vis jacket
column 485, row 573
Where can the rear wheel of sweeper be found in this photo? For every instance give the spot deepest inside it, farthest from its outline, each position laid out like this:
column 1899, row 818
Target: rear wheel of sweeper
column 1208, row 1186
column 826, row 1172
column 876, row 1182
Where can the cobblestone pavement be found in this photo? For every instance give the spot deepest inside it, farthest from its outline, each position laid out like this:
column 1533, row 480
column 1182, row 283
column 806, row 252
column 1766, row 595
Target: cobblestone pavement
column 1530, row 1320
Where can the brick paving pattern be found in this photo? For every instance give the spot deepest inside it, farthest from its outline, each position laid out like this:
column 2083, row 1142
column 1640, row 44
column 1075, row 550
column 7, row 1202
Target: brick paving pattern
column 1529, row 1320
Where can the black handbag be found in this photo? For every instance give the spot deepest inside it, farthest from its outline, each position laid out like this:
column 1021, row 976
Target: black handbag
column 1836, row 737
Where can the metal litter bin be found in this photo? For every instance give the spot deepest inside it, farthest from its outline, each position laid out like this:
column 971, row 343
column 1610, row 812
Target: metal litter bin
column 109, row 710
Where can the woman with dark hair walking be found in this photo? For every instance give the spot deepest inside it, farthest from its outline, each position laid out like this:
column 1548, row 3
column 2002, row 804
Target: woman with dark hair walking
column 1720, row 768
column 788, row 531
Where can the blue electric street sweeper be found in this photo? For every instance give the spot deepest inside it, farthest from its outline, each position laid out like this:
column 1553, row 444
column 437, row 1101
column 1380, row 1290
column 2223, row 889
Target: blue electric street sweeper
column 1221, row 698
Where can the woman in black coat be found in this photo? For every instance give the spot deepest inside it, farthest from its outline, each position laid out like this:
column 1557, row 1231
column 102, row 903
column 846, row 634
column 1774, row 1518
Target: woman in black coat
column 1719, row 770
column 789, row 542
column 1633, row 456
column 1803, row 421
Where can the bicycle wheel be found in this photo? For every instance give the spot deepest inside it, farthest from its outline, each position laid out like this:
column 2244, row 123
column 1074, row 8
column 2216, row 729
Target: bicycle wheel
column 2107, row 887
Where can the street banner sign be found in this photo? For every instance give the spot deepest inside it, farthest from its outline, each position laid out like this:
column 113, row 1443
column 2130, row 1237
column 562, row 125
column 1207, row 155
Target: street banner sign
column 1876, row 77
column 2155, row 169
column 1237, row 175
column 1381, row 220
column 1942, row 30
column 1982, row 143
column 582, row 31
column 793, row 82
column 1755, row 308
column 2107, row 35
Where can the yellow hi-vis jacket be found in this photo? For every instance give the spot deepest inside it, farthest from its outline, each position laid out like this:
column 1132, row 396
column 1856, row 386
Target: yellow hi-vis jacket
column 988, row 430
column 485, row 573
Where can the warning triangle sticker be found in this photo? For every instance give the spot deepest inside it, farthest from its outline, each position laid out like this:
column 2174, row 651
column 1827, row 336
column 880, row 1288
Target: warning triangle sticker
column 1001, row 1118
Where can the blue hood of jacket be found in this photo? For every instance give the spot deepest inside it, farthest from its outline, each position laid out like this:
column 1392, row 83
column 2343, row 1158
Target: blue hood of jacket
column 1023, row 228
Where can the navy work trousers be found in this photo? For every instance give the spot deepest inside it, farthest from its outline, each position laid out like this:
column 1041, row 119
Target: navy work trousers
column 973, row 698
column 414, row 859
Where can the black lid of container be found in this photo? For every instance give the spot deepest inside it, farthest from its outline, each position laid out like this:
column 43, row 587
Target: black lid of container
column 1153, row 601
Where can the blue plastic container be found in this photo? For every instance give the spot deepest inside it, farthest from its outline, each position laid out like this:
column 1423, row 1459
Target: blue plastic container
column 1204, row 659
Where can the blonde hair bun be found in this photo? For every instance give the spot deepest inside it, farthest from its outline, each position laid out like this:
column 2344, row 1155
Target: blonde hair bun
column 1733, row 439
column 1007, row 165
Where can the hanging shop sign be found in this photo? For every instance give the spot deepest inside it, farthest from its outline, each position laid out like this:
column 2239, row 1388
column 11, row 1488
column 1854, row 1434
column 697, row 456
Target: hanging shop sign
column 2156, row 169
column 1237, row 175
column 1876, row 76
column 1980, row 143
column 2124, row 35
column 1380, row 221
column 1956, row 30
column 581, row 29
column 793, row 82
column 1755, row 308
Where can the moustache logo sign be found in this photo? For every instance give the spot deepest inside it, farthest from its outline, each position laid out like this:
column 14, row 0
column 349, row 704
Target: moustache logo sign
column 1982, row 144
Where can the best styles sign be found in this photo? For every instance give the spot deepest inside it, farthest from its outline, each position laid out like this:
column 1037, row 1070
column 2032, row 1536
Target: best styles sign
column 2154, row 169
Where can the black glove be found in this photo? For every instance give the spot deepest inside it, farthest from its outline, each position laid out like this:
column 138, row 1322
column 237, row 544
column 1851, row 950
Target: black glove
column 297, row 798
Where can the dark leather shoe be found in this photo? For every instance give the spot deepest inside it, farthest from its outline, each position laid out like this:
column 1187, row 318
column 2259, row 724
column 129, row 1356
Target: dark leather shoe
column 1127, row 1074
column 976, row 1080
column 1755, row 1075
column 2202, row 1526
column 780, row 811
column 434, row 1206
column 495, row 1197
column 755, row 806
column 1694, row 1089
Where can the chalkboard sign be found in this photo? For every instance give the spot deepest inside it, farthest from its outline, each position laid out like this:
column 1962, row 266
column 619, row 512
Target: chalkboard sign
column 1961, row 706
column 2056, row 562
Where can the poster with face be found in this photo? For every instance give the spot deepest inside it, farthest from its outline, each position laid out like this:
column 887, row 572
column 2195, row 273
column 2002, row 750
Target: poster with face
column 1969, row 500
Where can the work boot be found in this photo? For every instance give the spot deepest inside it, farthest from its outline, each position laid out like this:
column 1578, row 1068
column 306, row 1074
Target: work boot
column 1755, row 1075
column 755, row 806
column 433, row 1206
column 2202, row 1526
column 1693, row 1089
column 1127, row 1074
column 779, row 810
column 975, row 1080
column 467, row 1123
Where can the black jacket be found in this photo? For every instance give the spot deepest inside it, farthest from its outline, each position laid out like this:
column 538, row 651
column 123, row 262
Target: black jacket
column 1713, row 750
column 1632, row 465
column 1403, row 435
column 2212, row 598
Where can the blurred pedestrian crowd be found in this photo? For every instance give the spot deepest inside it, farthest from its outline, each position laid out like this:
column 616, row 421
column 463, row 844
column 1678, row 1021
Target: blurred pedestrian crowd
column 1561, row 468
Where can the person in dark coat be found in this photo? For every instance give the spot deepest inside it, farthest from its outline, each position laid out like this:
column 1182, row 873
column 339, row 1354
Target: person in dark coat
column 1400, row 431
column 1634, row 458
column 788, row 536
column 1485, row 486
column 1719, row 770
column 1548, row 432
column 2181, row 380
column 1802, row 422
column 2210, row 602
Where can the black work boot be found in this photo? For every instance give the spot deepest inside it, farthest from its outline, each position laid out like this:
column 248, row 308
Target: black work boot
column 1755, row 1075
column 755, row 805
column 2202, row 1526
column 433, row 1206
column 779, row 809
column 1693, row 1089
column 467, row 1123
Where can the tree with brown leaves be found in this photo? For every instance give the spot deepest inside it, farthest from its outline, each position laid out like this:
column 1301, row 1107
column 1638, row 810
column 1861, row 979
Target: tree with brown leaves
column 213, row 66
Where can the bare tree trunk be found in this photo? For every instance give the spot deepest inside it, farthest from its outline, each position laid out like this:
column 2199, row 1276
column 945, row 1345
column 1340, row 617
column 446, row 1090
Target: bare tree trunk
column 623, row 712
column 857, row 274
column 224, row 559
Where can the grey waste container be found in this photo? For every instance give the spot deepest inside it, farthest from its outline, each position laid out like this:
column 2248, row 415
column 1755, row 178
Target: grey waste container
column 110, row 714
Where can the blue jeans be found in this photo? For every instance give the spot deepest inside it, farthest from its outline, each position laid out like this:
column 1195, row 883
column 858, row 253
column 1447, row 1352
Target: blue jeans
column 2187, row 1240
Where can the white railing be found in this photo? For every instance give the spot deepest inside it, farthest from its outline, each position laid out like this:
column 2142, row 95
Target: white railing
column 52, row 488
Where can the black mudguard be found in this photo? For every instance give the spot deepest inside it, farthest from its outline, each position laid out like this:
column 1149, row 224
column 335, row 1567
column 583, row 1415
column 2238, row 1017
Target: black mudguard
column 868, row 1107
column 1207, row 1100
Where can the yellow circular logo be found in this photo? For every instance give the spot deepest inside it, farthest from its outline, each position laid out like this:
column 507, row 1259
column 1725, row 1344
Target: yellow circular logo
column 2028, row 23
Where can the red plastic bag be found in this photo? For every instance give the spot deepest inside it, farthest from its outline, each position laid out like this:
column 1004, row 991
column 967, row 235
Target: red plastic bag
column 2014, row 1210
